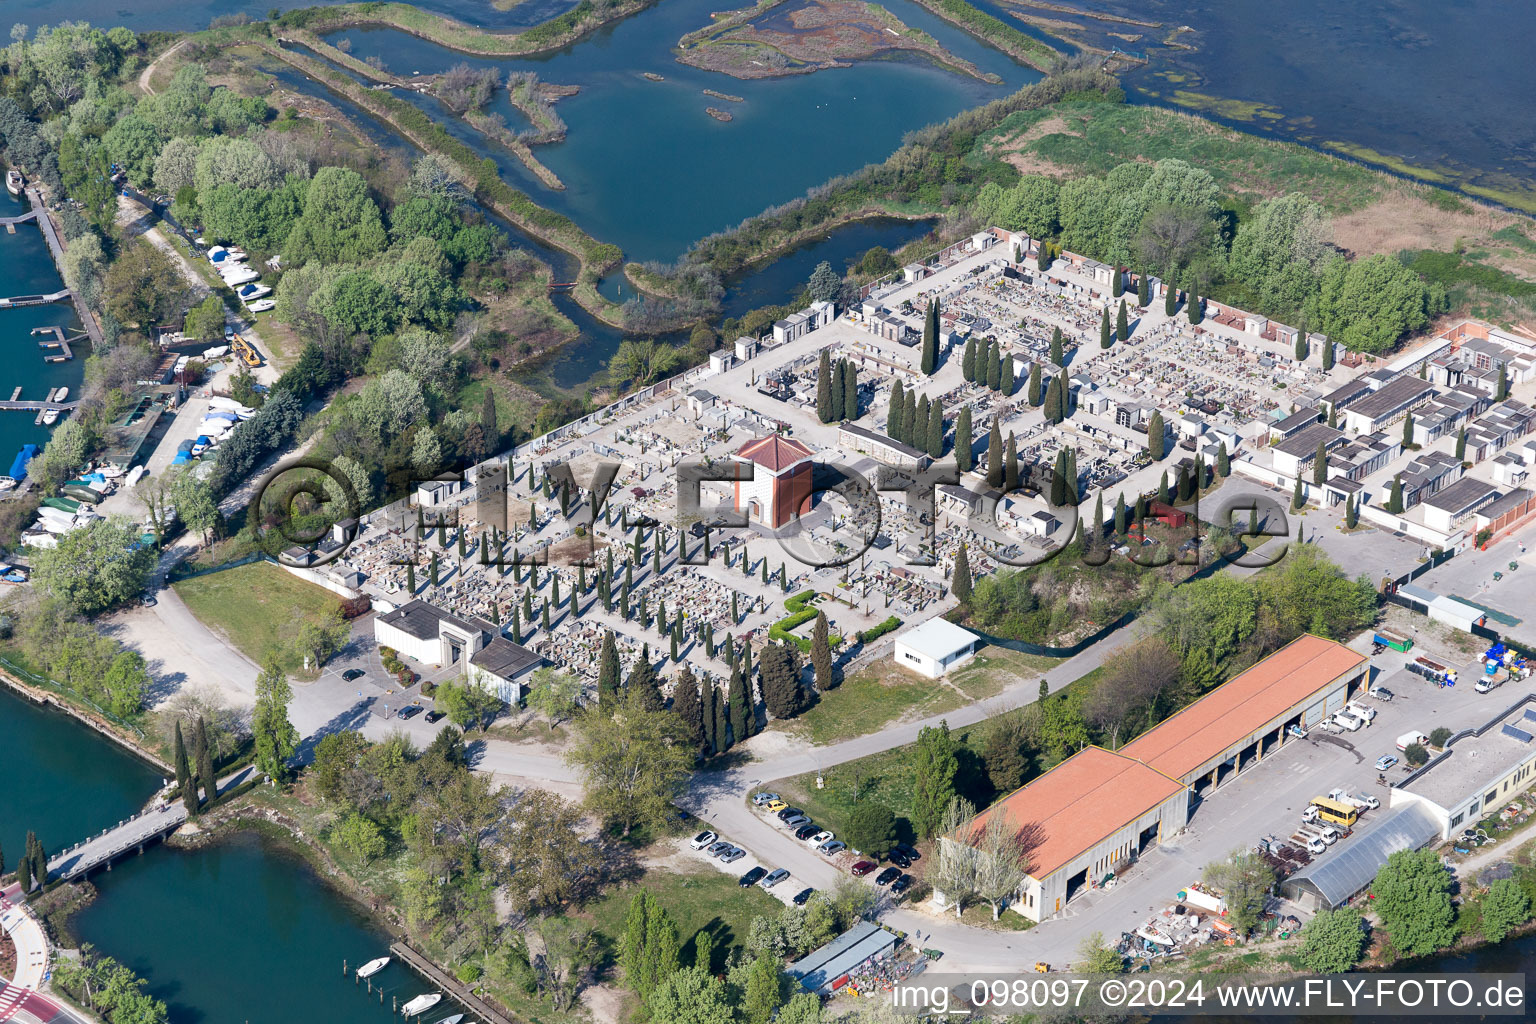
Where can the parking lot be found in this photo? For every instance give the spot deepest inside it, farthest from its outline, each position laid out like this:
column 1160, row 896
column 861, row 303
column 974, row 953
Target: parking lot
column 1469, row 576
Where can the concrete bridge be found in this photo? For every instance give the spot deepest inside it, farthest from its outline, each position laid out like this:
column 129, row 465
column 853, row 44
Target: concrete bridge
column 148, row 826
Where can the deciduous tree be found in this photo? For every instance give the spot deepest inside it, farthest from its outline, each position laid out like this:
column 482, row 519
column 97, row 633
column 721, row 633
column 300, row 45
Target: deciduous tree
column 1332, row 942
column 1413, row 898
column 633, row 763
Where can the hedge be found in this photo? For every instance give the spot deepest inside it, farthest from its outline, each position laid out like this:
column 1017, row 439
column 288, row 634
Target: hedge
column 876, row 632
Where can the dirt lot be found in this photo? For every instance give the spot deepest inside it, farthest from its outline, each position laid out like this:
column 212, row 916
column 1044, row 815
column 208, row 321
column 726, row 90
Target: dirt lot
column 1403, row 220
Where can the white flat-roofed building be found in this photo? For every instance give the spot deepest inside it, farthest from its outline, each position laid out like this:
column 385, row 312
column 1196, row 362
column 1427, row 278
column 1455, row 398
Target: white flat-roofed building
column 936, row 647
column 1480, row 771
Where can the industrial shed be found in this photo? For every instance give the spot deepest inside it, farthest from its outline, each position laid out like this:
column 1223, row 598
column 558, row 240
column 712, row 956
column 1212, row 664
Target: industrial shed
column 825, row 970
column 1351, row 867
column 1100, row 809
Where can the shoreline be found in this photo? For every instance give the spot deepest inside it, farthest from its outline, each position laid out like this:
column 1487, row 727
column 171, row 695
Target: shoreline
column 733, row 33
column 48, row 699
column 554, row 34
column 482, row 122
column 595, row 258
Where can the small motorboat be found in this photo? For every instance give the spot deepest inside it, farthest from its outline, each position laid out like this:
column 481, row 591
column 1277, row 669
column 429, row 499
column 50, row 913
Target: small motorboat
column 455, row 1019
column 14, row 181
column 373, row 967
column 421, row 1003
column 7, row 482
column 61, row 394
column 50, row 417
column 261, row 306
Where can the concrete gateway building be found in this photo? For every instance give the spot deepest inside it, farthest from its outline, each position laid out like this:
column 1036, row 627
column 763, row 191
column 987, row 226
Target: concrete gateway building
column 1099, row 809
column 431, row 635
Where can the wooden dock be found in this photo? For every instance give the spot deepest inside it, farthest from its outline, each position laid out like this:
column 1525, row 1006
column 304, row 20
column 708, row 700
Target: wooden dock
column 56, row 247
column 39, row 406
column 55, row 339
column 36, row 300
column 449, row 984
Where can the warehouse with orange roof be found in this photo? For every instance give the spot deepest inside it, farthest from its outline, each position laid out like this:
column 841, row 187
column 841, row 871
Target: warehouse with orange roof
column 1100, row 809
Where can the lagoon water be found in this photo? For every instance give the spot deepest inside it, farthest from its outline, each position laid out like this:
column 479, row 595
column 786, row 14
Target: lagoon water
column 244, row 932
column 1435, row 86
column 647, row 169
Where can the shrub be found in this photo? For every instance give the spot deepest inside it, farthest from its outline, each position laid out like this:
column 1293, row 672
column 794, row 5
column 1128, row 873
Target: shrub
column 878, row 631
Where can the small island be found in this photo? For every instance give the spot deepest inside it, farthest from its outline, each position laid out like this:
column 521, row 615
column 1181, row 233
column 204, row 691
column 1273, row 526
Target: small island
column 718, row 114
column 795, row 37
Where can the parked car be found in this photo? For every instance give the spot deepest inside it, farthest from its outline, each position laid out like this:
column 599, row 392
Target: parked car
column 796, row 821
column 1384, row 762
column 900, row 859
column 409, row 710
column 1380, row 693
column 907, row 851
column 716, row 849
column 703, row 839
column 802, row 896
column 831, row 846
column 863, row 868
column 788, row 812
column 763, row 799
column 353, row 673
column 434, row 716
column 752, row 877
column 901, row 884
column 735, row 855
column 820, row 837
column 774, row 877
column 776, row 804
column 805, row 831
column 888, row 876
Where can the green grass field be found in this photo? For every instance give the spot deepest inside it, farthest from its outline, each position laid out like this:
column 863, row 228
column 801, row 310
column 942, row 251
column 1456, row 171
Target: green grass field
column 871, row 700
column 1093, row 138
column 885, row 694
column 255, row 606
column 701, row 899
column 887, row 777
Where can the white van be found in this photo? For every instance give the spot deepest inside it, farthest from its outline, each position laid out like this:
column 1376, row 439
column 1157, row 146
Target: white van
column 1348, row 721
column 1323, row 832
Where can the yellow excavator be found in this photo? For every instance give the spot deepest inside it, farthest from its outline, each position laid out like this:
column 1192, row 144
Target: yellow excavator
column 245, row 350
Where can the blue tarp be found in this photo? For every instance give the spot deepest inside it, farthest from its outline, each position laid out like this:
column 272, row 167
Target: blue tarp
column 19, row 467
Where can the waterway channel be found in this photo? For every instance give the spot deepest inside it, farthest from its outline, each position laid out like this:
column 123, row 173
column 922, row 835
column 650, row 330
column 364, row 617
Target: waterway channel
column 243, row 930
column 575, row 365
column 644, row 165
column 26, row 268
